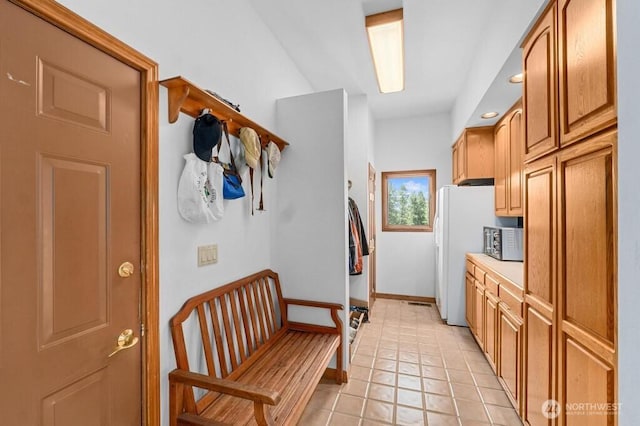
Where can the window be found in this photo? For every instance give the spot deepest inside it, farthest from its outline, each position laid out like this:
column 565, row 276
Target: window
column 408, row 200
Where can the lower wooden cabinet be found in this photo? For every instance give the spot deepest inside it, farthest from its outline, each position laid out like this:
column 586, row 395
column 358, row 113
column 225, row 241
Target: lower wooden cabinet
column 539, row 362
column 491, row 326
column 479, row 313
column 494, row 306
column 470, row 291
column 510, row 347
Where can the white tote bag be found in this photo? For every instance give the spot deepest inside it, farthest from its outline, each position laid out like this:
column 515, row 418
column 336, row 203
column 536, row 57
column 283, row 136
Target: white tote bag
column 199, row 194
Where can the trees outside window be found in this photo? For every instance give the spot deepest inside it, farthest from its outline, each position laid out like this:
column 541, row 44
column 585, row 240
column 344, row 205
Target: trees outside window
column 408, row 200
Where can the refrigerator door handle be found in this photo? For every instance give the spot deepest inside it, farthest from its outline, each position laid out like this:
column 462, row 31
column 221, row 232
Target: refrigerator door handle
column 436, row 229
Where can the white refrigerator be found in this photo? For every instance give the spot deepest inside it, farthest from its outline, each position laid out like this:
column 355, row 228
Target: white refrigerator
column 461, row 213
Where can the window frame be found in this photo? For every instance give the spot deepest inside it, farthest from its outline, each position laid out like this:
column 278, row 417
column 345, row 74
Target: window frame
column 428, row 173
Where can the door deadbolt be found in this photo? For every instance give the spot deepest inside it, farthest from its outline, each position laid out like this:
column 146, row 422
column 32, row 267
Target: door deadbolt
column 126, row 270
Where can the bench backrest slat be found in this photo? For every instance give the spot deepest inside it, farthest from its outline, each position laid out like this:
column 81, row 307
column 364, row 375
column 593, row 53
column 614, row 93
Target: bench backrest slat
column 236, row 320
column 206, row 340
column 271, row 308
column 231, row 324
column 226, row 299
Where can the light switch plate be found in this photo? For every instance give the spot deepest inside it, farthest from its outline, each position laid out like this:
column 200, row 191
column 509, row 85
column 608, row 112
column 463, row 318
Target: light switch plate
column 207, row 255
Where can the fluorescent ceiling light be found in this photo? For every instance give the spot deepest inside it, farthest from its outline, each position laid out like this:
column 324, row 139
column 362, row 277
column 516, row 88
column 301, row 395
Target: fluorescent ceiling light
column 386, row 41
column 517, row 78
column 488, row 115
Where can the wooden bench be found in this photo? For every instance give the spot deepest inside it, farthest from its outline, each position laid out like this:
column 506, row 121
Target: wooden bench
column 260, row 367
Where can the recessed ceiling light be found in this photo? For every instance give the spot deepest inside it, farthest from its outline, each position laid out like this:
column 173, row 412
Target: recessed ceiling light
column 517, row 78
column 488, row 115
column 386, row 41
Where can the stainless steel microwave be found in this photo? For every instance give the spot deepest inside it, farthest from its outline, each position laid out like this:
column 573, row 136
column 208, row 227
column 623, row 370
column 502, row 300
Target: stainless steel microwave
column 503, row 243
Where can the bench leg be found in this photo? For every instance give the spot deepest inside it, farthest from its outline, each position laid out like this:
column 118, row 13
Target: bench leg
column 176, row 396
column 339, row 363
column 262, row 415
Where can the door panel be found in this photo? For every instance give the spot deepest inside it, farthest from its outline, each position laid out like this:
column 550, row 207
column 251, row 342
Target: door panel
column 501, row 167
column 587, row 221
column 540, row 87
column 509, row 358
column 538, row 366
column 587, row 67
column 587, row 378
column 540, row 229
column 70, row 215
column 515, row 164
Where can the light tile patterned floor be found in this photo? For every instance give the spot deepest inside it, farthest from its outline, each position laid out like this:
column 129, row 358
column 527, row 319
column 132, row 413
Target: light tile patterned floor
column 410, row 369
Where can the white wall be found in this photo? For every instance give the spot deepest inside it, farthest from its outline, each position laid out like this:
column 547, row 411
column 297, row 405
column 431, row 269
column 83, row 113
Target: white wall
column 510, row 22
column 309, row 243
column 223, row 46
column 406, row 260
column 359, row 141
column 628, row 202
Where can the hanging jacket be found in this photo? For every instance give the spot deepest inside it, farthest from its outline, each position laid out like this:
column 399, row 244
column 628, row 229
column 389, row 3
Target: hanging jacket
column 358, row 246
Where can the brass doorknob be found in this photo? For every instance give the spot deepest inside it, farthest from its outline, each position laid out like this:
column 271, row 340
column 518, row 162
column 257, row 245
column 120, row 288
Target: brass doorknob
column 125, row 341
column 125, row 270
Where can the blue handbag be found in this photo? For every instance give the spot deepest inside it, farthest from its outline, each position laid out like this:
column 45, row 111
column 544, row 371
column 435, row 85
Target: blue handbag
column 231, row 180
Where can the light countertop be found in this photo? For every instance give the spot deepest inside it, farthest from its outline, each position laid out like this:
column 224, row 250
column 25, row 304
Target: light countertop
column 513, row 271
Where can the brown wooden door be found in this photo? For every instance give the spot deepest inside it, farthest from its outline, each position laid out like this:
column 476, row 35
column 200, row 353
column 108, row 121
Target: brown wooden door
column 540, row 288
column 510, row 335
column 454, row 165
column 491, row 326
column 515, row 160
column 478, row 311
column 586, row 40
column 587, row 278
column 501, row 167
column 540, row 87
column 70, row 216
column 470, row 291
column 372, row 235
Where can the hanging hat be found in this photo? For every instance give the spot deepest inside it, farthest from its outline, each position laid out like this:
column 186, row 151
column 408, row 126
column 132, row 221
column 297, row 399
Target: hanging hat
column 273, row 155
column 207, row 131
column 251, row 142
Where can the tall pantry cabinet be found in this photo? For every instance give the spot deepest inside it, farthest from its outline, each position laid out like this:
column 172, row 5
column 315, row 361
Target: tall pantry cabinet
column 570, row 187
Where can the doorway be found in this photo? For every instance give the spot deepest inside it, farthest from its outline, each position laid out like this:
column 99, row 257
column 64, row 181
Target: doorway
column 372, row 235
column 78, row 212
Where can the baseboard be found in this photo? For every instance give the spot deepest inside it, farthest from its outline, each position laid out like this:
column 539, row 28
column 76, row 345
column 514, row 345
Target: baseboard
column 330, row 374
column 423, row 299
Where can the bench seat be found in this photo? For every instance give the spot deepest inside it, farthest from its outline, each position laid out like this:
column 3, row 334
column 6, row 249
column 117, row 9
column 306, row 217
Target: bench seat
column 276, row 366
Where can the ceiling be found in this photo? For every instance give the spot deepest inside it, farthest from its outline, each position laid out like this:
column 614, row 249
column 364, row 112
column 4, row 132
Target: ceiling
column 327, row 41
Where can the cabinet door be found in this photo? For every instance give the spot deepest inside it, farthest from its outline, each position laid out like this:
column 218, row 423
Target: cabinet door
column 539, row 369
column 479, row 313
column 587, row 274
column 540, row 287
column 454, row 165
column 470, row 291
column 491, row 327
column 540, row 230
column 480, row 153
column 510, row 346
column 540, row 87
column 587, row 64
column 501, row 167
column 462, row 158
column 514, row 176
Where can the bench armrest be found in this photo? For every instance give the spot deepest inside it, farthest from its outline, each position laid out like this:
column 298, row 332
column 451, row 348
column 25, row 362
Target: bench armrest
column 313, row 304
column 229, row 387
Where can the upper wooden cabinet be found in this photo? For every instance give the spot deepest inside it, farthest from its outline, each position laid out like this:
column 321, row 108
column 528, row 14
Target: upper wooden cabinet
column 540, row 87
column 473, row 156
column 587, row 67
column 509, row 162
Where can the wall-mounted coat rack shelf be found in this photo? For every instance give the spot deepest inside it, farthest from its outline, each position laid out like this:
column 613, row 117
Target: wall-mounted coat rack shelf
column 188, row 98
